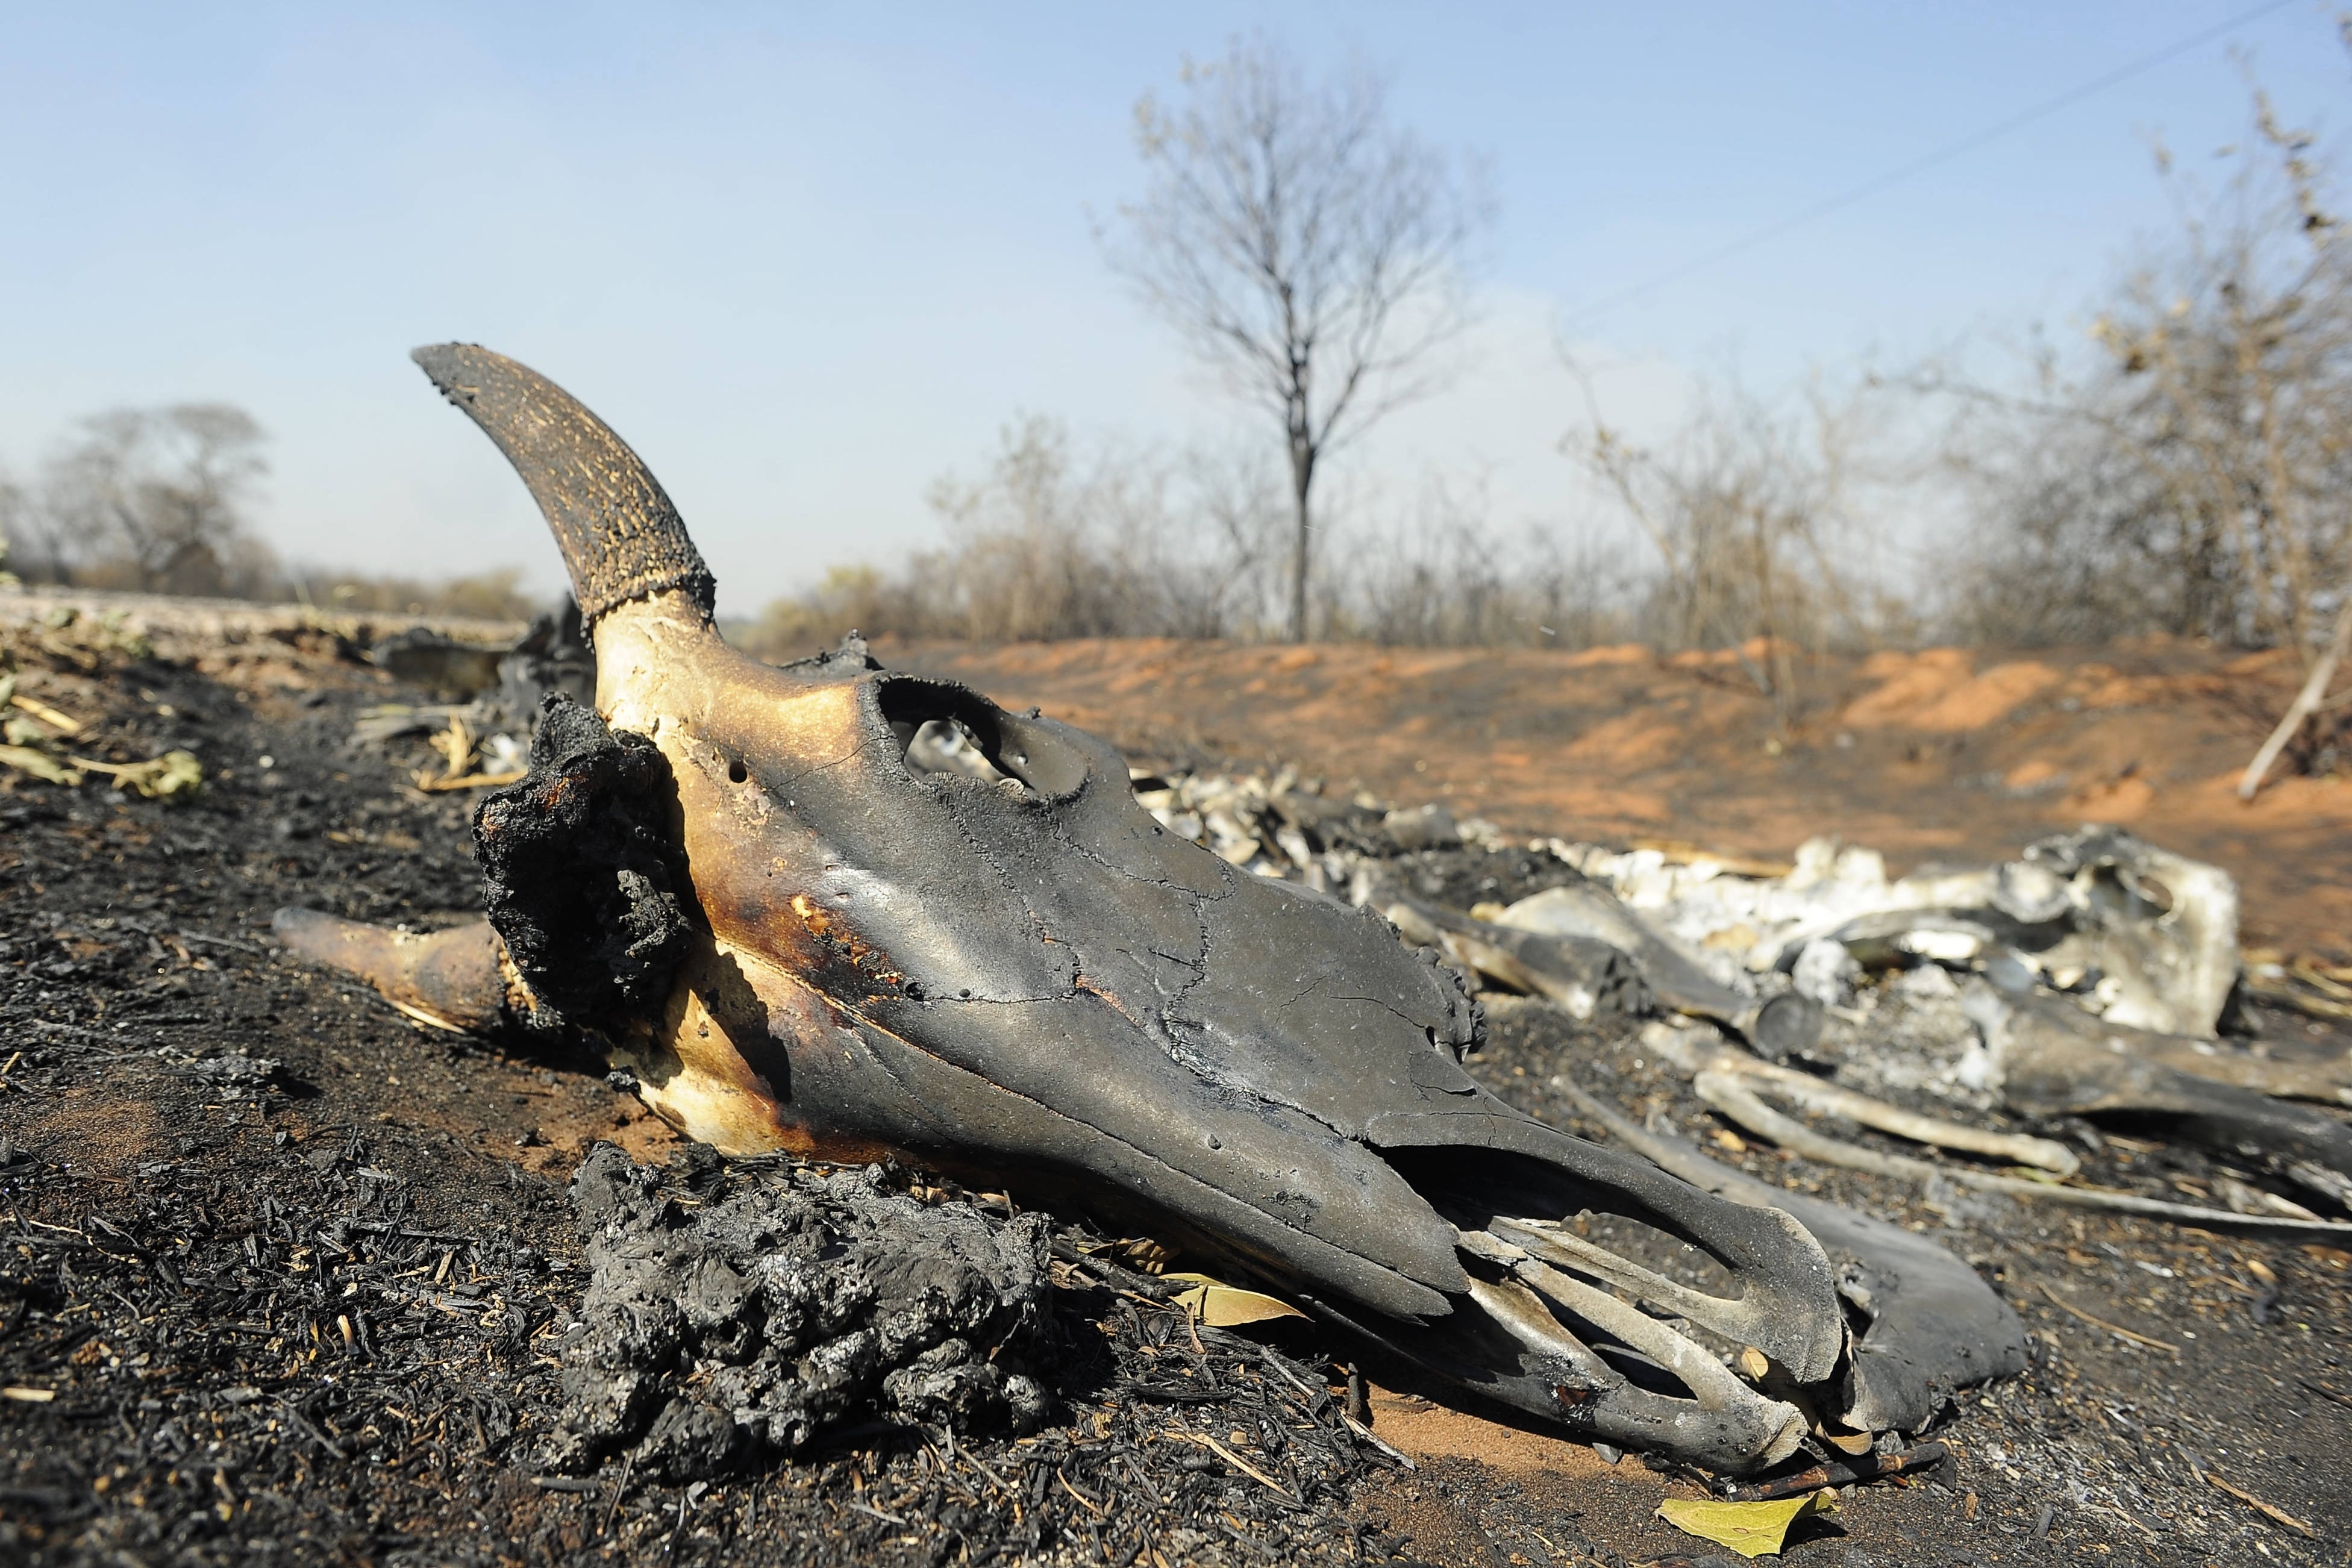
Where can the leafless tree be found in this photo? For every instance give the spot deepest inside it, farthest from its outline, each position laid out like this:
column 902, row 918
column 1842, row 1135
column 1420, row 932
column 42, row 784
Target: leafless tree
column 1312, row 251
column 158, row 496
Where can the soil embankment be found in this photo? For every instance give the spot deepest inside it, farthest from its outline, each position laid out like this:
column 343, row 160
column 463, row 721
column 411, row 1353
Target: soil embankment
column 1942, row 755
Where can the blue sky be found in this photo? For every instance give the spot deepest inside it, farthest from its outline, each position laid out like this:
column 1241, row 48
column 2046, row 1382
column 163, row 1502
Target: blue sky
column 807, row 258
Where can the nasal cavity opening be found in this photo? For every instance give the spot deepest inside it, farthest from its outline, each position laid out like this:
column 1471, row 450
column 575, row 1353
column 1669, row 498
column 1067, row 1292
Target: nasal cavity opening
column 1473, row 1189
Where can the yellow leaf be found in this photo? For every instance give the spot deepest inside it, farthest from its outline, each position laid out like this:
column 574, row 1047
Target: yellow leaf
column 1224, row 1306
column 1750, row 1529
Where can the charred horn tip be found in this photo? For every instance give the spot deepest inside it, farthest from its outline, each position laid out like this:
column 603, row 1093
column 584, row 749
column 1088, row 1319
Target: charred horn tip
column 621, row 536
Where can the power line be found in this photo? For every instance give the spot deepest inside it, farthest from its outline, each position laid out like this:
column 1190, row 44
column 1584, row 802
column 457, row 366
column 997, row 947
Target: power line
column 1944, row 154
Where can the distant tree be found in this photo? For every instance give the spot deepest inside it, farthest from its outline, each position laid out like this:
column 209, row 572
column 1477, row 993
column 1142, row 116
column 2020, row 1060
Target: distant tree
column 1312, row 251
column 156, row 498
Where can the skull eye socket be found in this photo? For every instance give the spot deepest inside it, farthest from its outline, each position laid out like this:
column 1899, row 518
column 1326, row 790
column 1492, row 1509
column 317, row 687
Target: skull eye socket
column 945, row 729
column 947, row 745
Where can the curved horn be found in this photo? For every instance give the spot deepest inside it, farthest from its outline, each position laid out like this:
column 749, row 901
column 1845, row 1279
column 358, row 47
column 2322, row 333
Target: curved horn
column 620, row 535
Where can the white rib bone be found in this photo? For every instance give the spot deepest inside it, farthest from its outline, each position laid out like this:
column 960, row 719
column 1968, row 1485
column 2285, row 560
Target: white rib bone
column 1727, row 1316
column 1699, row 1052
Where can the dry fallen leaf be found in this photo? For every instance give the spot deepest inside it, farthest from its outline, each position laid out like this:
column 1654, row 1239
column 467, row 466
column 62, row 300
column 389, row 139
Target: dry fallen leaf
column 1750, row 1529
column 161, row 778
column 1224, row 1306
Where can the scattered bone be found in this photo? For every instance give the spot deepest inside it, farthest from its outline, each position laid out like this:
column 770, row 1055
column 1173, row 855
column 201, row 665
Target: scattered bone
column 1692, row 1052
column 2159, row 930
column 2163, row 928
column 1586, row 977
column 1733, row 1097
column 2048, row 1059
column 1778, row 1024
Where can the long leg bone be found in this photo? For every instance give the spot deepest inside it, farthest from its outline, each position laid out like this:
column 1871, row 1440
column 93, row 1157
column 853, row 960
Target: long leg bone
column 1737, row 1101
column 1694, row 1052
column 764, row 892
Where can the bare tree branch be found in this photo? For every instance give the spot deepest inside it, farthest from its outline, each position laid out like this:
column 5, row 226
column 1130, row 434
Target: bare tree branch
column 1300, row 243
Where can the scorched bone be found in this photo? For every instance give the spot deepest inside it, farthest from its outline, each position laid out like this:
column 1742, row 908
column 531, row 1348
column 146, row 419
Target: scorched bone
column 747, row 886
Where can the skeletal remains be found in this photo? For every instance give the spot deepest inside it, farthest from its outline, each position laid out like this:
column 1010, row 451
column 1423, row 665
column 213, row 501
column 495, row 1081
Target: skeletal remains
column 854, row 913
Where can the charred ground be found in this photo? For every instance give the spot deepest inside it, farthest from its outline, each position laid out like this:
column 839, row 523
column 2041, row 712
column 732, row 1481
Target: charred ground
column 295, row 1273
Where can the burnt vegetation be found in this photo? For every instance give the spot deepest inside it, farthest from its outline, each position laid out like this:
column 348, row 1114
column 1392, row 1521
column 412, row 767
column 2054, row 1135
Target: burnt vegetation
column 285, row 1276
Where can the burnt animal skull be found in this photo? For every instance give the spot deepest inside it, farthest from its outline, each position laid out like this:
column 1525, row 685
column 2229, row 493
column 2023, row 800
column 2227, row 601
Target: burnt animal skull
column 838, row 910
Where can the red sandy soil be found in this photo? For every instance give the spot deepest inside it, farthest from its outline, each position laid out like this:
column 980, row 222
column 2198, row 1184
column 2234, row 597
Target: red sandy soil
column 1944, row 755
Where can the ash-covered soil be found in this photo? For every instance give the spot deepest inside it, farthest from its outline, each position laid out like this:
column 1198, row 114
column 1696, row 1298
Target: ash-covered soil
column 286, row 1276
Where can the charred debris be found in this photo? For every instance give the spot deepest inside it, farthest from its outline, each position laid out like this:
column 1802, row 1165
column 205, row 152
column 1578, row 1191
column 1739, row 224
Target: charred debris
column 184, row 1306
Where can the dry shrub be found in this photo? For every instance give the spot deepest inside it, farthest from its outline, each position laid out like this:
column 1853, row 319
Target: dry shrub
column 1752, row 512
column 2189, row 478
column 1050, row 544
column 494, row 595
column 1446, row 577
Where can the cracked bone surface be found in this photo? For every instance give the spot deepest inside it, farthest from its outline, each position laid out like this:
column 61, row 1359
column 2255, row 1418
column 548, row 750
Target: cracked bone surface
column 850, row 912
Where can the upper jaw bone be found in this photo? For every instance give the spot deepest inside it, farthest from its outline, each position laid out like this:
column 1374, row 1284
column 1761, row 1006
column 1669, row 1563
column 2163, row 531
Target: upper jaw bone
column 1016, row 971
